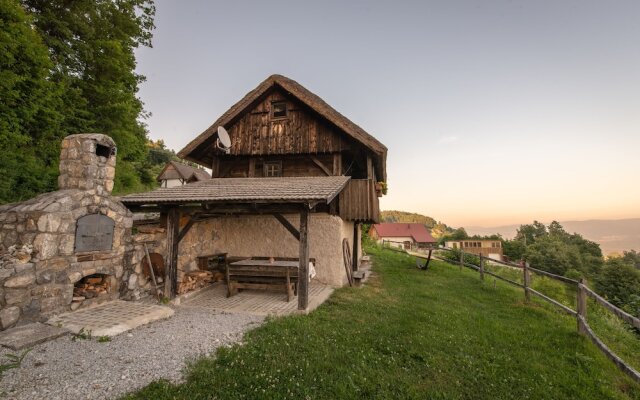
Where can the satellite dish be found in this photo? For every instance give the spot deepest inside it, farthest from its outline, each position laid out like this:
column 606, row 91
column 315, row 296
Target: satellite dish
column 224, row 141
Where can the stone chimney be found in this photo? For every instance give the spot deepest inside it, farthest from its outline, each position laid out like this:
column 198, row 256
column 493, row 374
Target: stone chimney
column 88, row 162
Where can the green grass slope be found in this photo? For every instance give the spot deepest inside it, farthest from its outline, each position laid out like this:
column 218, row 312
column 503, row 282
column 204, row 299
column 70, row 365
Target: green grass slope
column 410, row 334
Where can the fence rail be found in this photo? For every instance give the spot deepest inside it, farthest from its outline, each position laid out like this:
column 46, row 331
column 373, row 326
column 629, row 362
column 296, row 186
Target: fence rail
column 582, row 292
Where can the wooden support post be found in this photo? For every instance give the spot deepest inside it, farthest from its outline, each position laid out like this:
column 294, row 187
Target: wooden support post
column 356, row 236
column 215, row 167
column 171, row 271
column 527, row 281
column 337, row 164
column 582, row 307
column 252, row 168
column 481, row 270
column 370, row 172
column 303, row 273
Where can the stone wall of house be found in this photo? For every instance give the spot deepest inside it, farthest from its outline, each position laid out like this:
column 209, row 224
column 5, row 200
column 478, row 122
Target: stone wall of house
column 39, row 264
column 265, row 236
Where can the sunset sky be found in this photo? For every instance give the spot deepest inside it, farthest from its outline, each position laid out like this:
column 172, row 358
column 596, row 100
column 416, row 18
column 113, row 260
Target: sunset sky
column 494, row 112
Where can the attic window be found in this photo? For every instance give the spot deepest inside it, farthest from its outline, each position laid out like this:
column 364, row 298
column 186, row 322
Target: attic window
column 279, row 109
column 103, row 151
column 272, row 169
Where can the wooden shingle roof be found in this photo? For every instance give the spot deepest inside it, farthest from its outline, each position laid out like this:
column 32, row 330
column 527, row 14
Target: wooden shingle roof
column 311, row 100
column 245, row 190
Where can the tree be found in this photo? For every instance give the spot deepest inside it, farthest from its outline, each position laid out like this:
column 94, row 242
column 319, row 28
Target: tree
column 619, row 282
column 529, row 233
column 632, row 257
column 550, row 254
column 84, row 69
column 29, row 108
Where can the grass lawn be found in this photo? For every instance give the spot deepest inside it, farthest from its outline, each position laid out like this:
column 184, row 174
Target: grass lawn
column 410, row 334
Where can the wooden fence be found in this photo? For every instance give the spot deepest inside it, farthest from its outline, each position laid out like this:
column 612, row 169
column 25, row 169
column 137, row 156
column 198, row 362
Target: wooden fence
column 581, row 302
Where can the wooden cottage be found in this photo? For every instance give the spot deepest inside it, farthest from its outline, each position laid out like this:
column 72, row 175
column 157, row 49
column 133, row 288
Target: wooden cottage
column 177, row 174
column 298, row 180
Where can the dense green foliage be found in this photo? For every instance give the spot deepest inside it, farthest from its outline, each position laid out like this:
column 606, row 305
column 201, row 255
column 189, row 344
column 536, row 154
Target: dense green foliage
column 69, row 67
column 552, row 249
column 410, row 334
column 30, row 105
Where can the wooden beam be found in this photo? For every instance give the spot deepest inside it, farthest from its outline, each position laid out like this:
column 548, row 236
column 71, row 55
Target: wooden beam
column 252, row 168
column 321, row 165
column 215, row 167
column 337, row 164
column 171, row 272
column 356, row 237
column 303, row 273
column 370, row 172
column 186, row 229
column 292, row 229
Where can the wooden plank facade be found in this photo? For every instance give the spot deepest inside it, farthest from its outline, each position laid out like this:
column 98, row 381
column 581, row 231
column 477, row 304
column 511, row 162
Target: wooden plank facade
column 282, row 130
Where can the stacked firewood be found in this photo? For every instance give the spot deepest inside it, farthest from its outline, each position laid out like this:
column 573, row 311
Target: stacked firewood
column 91, row 287
column 198, row 279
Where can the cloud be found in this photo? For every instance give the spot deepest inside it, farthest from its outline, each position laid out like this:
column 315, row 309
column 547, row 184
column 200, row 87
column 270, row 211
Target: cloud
column 448, row 139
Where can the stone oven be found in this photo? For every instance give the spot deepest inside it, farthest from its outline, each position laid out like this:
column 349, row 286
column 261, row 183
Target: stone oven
column 66, row 249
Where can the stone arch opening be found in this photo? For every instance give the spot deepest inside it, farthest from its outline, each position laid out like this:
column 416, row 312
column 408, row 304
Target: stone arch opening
column 92, row 289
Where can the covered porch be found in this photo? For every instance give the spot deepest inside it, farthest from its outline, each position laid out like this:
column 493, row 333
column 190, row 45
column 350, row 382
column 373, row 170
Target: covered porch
column 254, row 302
column 184, row 207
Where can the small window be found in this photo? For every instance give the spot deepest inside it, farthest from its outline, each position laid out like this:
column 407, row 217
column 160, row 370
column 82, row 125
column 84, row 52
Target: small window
column 279, row 109
column 272, row 169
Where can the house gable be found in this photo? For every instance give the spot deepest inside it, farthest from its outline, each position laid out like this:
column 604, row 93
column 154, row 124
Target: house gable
column 312, row 127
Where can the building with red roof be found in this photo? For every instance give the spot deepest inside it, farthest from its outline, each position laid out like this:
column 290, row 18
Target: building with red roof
column 404, row 235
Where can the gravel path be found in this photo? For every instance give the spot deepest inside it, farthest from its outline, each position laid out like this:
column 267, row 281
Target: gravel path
column 64, row 369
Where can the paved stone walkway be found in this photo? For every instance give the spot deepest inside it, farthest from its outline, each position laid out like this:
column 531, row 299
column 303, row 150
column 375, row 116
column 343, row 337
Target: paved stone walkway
column 26, row 336
column 112, row 318
column 256, row 302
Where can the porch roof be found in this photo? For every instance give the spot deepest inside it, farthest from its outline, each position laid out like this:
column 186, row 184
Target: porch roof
column 245, row 190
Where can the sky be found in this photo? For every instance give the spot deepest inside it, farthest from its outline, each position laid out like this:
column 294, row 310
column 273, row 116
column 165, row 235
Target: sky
column 494, row 112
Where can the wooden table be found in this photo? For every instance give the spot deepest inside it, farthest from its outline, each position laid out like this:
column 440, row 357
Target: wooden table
column 262, row 274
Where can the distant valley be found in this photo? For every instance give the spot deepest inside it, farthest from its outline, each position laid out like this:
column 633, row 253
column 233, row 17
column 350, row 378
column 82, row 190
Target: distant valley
column 614, row 236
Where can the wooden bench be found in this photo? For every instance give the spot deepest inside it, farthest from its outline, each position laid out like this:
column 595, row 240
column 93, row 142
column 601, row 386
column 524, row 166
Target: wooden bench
column 261, row 273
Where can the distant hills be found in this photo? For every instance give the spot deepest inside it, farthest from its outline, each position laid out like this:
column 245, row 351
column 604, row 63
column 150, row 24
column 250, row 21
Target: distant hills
column 614, row 236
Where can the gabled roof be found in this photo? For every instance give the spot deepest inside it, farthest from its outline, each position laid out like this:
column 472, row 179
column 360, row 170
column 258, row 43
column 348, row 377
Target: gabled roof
column 245, row 190
column 418, row 232
column 309, row 99
column 185, row 172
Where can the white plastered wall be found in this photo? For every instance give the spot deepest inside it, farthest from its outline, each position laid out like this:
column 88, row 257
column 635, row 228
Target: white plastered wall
column 265, row 236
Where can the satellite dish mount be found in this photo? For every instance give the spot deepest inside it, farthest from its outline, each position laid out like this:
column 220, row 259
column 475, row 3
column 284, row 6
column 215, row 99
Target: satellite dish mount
column 223, row 142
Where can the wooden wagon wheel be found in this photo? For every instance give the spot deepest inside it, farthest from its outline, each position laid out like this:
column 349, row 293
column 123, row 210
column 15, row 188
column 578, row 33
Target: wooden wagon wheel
column 346, row 253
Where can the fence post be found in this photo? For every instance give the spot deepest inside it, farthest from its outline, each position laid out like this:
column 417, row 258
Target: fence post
column 481, row 267
column 461, row 259
column 582, row 307
column 527, row 281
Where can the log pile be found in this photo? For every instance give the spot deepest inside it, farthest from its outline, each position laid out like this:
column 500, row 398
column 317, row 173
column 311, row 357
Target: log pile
column 198, row 279
column 88, row 288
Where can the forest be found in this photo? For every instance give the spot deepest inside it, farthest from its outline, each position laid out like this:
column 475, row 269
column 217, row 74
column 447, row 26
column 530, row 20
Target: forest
column 68, row 67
